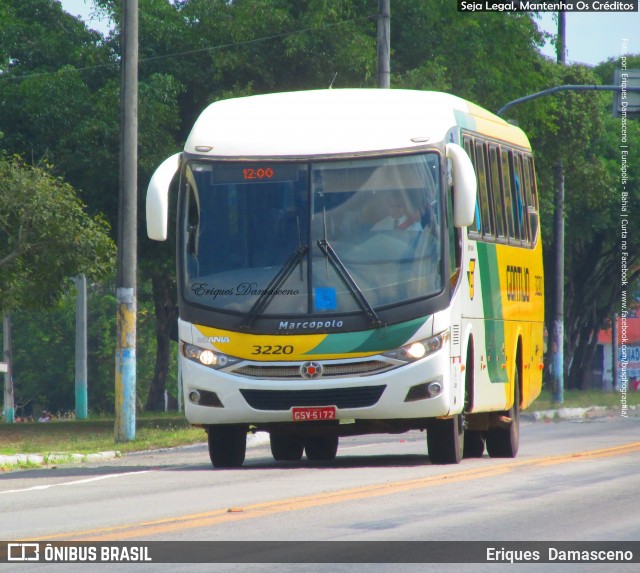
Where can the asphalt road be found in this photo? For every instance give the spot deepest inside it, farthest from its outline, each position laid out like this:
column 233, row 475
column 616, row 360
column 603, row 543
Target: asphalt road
column 572, row 481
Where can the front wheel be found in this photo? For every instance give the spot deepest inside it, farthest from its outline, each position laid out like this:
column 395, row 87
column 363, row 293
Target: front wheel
column 445, row 440
column 227, row 445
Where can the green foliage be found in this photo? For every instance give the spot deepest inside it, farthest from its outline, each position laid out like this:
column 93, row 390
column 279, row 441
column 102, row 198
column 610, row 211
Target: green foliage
column 488, row 58
column 93, row 435
column 44, row 352
column 587, row 139
column 59, row 102
column 45, row 237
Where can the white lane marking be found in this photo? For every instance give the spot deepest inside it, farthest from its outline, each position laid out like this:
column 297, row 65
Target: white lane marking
column 75, row 482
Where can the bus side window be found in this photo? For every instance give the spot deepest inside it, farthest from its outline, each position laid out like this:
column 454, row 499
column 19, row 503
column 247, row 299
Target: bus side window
column 531, row 197
column 506, row 191
column 519, row 214
column 483, row 191
column 495, row 191
column 476, row 226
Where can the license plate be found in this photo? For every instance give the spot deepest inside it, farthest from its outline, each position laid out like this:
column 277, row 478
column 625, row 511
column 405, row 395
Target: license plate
column 314, row 413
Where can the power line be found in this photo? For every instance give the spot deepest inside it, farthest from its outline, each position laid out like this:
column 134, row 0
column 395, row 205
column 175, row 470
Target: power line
column 192, row 52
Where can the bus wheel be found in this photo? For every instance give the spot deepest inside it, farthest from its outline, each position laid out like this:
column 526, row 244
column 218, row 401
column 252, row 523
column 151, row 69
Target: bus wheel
column 321, row 448
column 445, row 440
column 286, row 447
column 504, row 442
column 227, row 445
column 473, row 444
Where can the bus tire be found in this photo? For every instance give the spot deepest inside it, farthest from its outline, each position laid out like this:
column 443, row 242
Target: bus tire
column 473, row 439
column 321, row 448
column 286, row 447
column 445, row 440
column 473, row 444
column 227, row 445
column 504, row 442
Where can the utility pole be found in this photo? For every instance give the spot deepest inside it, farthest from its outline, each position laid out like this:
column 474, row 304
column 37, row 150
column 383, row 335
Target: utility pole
column 384, row 44
column 561, row 44
column 9, row 407
column 125, row 383
column 557, row 344
column 81, row 348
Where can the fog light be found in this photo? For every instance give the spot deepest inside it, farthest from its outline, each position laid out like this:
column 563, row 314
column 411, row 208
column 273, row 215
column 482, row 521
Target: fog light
column 194, row 396
column 434, row 388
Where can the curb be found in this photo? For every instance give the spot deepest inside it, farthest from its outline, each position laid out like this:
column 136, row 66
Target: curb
column 43, row 459
column 575, row 413
column 253, row 441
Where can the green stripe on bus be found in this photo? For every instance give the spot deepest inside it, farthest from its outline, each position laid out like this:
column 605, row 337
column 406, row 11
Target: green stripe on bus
column 492, row 310
column 380, row 339
column 464, row 119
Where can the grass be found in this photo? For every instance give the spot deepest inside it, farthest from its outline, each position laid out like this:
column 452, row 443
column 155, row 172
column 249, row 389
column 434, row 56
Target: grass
column 584, row 399
column 95, row 435
column 165, row 431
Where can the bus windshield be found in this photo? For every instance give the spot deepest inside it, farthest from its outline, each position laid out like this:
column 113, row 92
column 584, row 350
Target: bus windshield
column 311, row 238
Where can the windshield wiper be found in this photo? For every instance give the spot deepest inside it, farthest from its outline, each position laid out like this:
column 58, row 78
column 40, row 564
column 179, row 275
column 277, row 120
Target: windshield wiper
column 349, row 282
column 267, row 295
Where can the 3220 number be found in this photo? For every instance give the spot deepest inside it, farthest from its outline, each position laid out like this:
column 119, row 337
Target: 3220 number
column 277, row 349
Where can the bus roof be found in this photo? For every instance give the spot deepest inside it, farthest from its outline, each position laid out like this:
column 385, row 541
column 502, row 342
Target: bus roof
column 338, row 122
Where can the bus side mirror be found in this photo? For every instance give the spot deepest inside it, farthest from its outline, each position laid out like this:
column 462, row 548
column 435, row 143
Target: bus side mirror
column 157, row 206
column 464, row 186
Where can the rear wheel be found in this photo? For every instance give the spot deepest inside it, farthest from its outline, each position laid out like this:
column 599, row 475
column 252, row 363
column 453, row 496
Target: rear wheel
column 286, row 447
column 473, row 444
column 445, row 440
column 227, row 445
column 503, row 442
column 321, row 448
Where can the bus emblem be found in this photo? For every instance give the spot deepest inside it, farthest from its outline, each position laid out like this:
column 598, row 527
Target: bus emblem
column 311, row 370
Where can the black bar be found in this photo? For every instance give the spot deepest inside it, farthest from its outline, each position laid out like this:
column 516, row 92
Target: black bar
column 559, row 552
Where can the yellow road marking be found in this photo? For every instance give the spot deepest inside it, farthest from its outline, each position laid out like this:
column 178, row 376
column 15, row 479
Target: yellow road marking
column 145, row 529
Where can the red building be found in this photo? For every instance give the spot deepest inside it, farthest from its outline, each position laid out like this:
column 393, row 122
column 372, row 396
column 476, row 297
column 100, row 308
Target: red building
column 628, row 353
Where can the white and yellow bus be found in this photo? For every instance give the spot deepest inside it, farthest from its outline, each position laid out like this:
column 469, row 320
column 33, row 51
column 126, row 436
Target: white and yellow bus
column 355, row 261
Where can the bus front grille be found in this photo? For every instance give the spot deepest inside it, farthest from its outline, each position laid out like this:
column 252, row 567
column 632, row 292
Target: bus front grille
column 359, row 397
column 340, row 369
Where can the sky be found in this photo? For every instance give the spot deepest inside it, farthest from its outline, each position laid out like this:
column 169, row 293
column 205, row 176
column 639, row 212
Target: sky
column 591, row 37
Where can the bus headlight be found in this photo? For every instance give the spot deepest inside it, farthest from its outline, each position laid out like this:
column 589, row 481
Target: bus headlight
column 417, row 350
column 206, row 357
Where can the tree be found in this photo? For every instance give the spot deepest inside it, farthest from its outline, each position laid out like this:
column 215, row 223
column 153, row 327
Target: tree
column 59, row 101
column 248, row 46
column 579, row 129
column 45, row 237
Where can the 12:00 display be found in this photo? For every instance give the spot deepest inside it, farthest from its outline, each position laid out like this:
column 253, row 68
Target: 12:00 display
column 260, row 173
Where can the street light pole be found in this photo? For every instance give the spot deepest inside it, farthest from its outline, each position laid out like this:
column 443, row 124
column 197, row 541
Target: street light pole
column 557, row 344
column 557, row 340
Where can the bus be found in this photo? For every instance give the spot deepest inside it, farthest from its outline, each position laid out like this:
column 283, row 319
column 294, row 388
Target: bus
column 355, row 261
